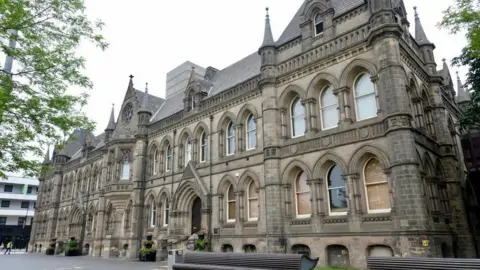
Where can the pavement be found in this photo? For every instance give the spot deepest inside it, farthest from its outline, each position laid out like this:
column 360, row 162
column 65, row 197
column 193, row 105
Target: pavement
column 40, row 261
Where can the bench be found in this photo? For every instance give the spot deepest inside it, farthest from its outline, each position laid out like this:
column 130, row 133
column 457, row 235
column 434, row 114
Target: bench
column 252, row 261
column 419, row 263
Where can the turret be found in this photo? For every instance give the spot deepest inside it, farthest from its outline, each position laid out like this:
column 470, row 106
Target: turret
column 463, row 96
column 111, row 125
column 267, row 53
column 144, row 113
column 426, row 47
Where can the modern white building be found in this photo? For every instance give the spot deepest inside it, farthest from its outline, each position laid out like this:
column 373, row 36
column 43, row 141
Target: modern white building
column 18, row 197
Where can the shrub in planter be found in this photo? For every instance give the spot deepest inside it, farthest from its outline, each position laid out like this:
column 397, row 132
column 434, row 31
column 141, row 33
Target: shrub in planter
column 201, row 244
column 148, row 253
column 51, row 247
column 72, row 249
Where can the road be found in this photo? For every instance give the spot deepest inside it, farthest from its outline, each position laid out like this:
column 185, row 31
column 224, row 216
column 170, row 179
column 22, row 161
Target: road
column 43, row 262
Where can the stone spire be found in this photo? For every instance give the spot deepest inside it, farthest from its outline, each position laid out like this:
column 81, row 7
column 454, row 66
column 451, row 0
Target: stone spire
column 111, row 121
column 462, row 94
column 144, row 105
column 46, row 160
column 420, row 35
column 130, row 83
column 267, row 37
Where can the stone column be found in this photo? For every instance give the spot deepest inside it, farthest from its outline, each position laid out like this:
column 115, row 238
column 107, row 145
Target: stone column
column 239, row 134
column 411, row 213
column 308, row 125
column 221, row 214
column 97, row 248
column 283, row 123
column 341, row 94
column 312, row 116
column 140, row 153
column 272, row 134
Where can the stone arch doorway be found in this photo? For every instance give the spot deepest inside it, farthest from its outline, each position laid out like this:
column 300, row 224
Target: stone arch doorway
column 196, row 215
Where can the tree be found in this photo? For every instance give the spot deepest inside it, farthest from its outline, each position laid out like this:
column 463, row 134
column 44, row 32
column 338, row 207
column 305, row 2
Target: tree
column 35, row 108
column 464, row 16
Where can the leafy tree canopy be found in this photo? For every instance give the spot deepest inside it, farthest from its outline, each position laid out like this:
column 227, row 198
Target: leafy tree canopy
column 464, row 16
column 35, row 108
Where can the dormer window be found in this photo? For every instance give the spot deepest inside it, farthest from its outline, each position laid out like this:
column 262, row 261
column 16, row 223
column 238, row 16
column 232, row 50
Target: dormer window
column 318, row 24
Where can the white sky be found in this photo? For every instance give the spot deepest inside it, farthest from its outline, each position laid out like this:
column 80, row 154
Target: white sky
column 148, row 38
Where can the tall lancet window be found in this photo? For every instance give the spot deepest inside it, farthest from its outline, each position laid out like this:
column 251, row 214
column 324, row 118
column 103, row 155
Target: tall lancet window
column 318, row 24
column 125, row 169
column 188, row 151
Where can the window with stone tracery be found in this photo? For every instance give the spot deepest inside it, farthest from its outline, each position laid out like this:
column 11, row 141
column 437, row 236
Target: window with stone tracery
column 328, row 108
column 230, row 139
column 302, row 196
column 251, row 132
column 125, row 165
column 231, row 205
column 252, row 196
column 365, row 100
column 376, row 187
column 297, row 114
column 168, row 163
column 337, row 192
column 318, row 24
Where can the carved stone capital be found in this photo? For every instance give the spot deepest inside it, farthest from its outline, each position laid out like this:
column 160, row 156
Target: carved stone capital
column 397, row 121
column 344, row 89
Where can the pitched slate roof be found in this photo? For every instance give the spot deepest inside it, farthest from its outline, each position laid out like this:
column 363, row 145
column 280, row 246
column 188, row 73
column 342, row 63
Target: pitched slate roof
column 293, row 29
column 248, row 67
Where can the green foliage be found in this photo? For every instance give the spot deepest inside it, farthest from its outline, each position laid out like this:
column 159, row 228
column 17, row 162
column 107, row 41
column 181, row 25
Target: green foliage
column 35, row 108
column 464, row 16
column 471, row 115
column 201, row 244
column 71, row 245
column 144, row 251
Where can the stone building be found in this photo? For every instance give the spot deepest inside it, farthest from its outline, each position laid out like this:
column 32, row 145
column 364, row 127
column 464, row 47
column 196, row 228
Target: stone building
column 336, row 140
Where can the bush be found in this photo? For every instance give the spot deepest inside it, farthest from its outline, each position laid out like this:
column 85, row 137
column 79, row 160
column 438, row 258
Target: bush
column 148, row 253
column 72, row 249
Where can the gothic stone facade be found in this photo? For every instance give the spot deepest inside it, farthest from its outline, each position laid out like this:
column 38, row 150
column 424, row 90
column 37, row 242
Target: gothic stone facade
column 336, row 140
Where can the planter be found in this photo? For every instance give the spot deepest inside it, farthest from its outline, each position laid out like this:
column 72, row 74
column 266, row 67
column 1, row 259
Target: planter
column 50, row 251
column 72, row 252
column 149, row 257
column 149, row 237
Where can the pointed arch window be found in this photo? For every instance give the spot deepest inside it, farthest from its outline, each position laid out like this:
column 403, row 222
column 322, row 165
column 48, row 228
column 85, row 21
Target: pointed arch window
column 168, row 158
column 318, row 24
column 153, row 214
column 302, row 196
column 365, row 100
column 376, row 187
column 166, row 212
column 203, row 147
column 252, row 196
column 231, row 207
column 251, row 132
column 337, row 192
column 125, row 171
column 188, row 151
column 297, row 112
column 328, row 104
column 155, row 162
column 230, row 139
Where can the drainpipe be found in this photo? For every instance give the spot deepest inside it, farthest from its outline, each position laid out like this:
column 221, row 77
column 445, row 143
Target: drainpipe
column 210, row 198
column 172, row 174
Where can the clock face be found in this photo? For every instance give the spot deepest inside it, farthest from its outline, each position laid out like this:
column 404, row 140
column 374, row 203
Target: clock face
column 127, row 112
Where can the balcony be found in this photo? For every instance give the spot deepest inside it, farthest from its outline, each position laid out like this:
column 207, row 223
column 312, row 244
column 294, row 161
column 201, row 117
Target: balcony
column 16, row 196
column 4, row 212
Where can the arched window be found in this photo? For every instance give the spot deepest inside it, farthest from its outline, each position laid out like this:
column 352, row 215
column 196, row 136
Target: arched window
column 188, row 150
column 297, row 112
column 168, row 158
column 230, row 139
column 166, row 212
column 153, row 214
column 318, row 25
column 365, row 100
column 231, row 208
column 337, row 192
column 251, row 132
column 203, row 147
column 302, row 196
column 125, row 173
column 376, row 187
column 328, row 108
column 252, row 196
column 155, row 162
column 249, row 249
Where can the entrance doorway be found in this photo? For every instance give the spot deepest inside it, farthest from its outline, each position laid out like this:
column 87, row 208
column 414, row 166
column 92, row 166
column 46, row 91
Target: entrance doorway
column 196, row 215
